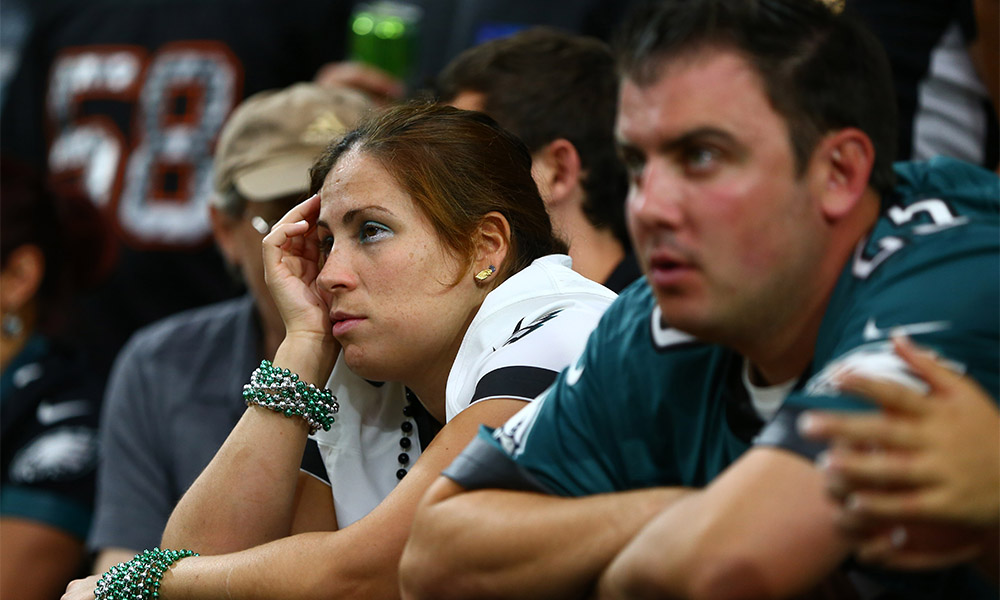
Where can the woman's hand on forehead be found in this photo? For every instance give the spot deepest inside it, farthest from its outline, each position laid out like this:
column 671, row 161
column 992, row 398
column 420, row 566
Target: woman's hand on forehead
column 291, row 266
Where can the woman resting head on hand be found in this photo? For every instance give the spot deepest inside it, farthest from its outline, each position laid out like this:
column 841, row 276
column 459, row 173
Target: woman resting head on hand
column 424, row 275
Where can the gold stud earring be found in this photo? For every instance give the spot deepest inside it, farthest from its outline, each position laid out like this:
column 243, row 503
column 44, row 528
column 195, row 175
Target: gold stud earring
column 485, row 273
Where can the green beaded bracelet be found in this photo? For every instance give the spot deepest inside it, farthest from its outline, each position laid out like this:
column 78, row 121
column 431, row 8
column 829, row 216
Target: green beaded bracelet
column 282, row 391
column 139, row 578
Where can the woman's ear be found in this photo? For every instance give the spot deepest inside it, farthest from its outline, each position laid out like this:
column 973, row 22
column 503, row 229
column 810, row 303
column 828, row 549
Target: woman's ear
column 842, row 165
column 492, row 245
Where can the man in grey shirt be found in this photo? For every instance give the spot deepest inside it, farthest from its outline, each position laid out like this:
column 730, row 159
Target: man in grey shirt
column 175, row 390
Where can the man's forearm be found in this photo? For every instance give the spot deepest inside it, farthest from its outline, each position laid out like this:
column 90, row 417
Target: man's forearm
column 764, row 529
column 530, row 545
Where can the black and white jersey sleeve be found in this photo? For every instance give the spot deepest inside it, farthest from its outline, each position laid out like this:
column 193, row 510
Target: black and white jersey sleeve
column 516, row 349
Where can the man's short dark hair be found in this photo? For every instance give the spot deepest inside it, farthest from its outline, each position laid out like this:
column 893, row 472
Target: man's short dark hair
column 543, row 85
column 821, row 70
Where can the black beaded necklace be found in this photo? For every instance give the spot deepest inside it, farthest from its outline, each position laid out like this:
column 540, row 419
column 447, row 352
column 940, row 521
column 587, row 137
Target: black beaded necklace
column 407, row 429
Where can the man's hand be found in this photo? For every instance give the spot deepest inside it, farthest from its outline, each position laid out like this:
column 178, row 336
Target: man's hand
column 382, row 87
column 919, row 481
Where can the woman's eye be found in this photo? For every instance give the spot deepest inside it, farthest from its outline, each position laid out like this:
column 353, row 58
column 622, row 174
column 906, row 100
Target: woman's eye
column 373, row 232
column 325, row 244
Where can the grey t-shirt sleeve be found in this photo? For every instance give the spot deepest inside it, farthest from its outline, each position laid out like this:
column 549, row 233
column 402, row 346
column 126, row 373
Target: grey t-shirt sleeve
column 484, row 465
column 133, row 503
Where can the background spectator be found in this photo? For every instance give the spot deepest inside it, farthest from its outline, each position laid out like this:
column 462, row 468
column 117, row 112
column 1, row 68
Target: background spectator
column 557, row 92
column 50, row 246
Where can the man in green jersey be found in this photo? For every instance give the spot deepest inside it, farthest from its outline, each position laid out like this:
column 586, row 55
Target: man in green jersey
column 780, row 246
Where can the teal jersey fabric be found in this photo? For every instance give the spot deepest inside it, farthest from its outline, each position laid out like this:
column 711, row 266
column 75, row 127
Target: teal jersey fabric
column 648, row 406
column 931, row 269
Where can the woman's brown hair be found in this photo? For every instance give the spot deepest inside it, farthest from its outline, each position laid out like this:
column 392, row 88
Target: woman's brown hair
column 457, row 165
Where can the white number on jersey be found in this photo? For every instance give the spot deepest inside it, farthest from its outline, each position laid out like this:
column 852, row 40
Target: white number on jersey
column 157, row 184
column 941, row 217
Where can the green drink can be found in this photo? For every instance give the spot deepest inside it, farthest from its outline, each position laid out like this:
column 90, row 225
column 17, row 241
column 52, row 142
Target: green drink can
column 385, row 34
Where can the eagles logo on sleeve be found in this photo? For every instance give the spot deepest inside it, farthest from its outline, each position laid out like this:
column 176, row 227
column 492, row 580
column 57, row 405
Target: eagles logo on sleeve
column 513, row 434
column 876, row 360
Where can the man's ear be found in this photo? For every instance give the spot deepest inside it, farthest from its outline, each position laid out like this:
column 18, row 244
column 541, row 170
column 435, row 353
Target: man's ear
column 21, row 277
column 224, row 231
column 492, row 243
column 557, row 172
column 842, row 165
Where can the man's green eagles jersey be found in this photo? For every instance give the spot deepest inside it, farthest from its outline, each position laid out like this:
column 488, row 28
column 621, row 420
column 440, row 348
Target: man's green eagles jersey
column 646, row 405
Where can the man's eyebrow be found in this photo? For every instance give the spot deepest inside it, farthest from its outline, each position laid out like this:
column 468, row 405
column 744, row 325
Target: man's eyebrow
column 695, row 135
column 685, row 139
